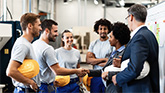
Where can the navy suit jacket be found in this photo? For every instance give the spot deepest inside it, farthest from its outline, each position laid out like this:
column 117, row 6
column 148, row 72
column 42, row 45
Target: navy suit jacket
column 142, row 47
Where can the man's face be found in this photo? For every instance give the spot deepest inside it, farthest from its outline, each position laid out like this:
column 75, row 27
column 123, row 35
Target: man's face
column 36, row 28
column 113, row 41
column 103, row 31
column 53, row 33
column 128, row 18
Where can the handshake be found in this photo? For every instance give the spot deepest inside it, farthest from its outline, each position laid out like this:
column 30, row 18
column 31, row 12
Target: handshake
column 81, row 72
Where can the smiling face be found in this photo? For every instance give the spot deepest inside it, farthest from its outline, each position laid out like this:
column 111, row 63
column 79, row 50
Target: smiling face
column 36, row 28
column 67, row 39
column 103, row 31
column 53, row 33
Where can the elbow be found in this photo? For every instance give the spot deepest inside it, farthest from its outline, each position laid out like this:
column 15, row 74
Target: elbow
column 87, row 60
column 9, row 73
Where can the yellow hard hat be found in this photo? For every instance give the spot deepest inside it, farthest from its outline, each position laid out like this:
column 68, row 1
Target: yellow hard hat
column 87, row 82
column 29, row 68
column 62, row 80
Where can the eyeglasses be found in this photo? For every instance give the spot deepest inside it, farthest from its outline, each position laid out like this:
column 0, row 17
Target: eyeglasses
column 127, row 17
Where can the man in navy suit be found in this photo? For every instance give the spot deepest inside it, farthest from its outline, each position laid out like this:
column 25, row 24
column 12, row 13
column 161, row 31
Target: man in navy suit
column 142, row 47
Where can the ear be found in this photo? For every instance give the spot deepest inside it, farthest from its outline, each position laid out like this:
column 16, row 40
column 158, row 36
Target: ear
column 131, row 17
column 30, row 25
column 47, row 30
column 62, row 39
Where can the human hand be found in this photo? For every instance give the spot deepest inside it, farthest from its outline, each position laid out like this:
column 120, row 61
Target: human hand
column 87, row 71
column 114, row 80
column 102, row 64
column 117, row 62
column 104, row 75
column 81, row 72
column 55, row 83
column 33, row 85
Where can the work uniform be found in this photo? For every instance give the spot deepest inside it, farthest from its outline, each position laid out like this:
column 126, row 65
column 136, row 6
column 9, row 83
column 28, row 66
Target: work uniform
column 69, row 59
column 45, row 57
column 21, row 50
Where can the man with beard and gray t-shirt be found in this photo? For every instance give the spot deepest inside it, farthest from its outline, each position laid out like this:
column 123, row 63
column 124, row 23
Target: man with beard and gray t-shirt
column 46, row 58
column 22, row 50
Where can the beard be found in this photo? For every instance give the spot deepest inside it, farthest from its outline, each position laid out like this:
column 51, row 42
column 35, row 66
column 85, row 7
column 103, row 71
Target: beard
column 103, row 37
column 51, row 38
column 35, row 33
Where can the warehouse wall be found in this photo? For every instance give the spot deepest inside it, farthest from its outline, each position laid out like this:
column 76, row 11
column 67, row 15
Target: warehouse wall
column 85, row 14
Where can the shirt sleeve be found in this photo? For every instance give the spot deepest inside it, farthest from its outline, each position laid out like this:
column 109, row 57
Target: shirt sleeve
column 50, row 57
column 19, row 53
column 79, row 60
column 90, row 49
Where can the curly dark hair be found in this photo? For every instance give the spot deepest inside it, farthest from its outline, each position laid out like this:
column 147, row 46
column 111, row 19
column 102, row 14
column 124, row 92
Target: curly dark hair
column 121, row 32
column 102, row 22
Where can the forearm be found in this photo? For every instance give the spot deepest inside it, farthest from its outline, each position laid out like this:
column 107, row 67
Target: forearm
column 94, row 61
column 65, row 71
column 16, row 75
column 12, row 71
column 102, row 64
column 94, row 73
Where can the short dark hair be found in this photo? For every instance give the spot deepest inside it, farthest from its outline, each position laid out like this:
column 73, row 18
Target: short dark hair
column 139, row 12
column 47, row 23
column 102, row 22
column 28, row 18
column 62, row 35
column 121, row 32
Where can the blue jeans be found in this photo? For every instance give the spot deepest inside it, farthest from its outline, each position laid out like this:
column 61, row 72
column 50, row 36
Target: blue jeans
column 72, row 87
column 47, row 88
column 97, row 85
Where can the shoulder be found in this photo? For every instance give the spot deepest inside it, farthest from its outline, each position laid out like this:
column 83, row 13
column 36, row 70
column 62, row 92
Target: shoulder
column 21, row 43
column 75, row 50
column 95, row 41
column 58, row 49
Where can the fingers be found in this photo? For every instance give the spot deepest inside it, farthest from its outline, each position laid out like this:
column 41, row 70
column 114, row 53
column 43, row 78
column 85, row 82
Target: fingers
column 34, row 86
column 117, row 61
column 104, row 75
column 87, row 70
column 114, row 80
column 55, row 83
column 82, row 72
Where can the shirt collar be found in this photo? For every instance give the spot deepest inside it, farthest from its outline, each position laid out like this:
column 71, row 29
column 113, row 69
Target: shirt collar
column 121, row 48
column 134, row 31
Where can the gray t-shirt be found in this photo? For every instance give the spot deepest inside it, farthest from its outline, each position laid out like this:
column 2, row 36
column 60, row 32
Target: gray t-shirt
column 45, row 57
column 21, row 50
column 68, row 58
column 100, row 49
